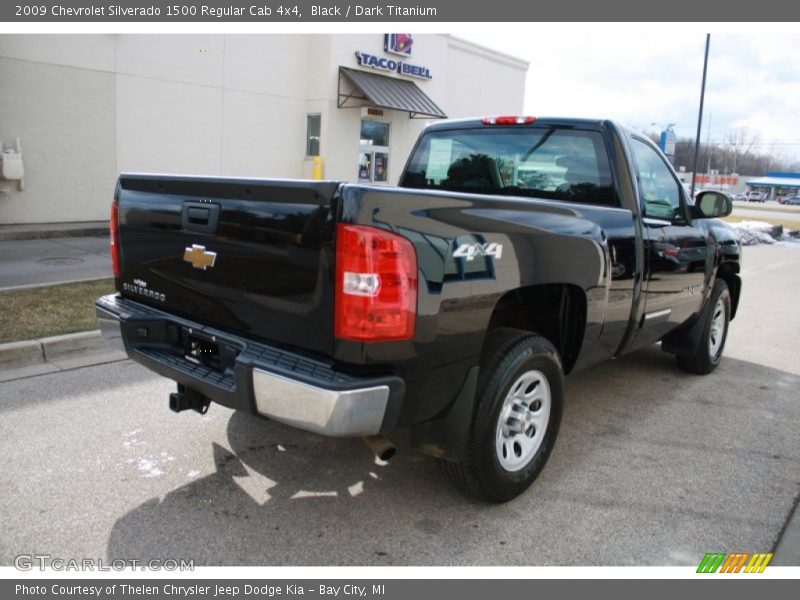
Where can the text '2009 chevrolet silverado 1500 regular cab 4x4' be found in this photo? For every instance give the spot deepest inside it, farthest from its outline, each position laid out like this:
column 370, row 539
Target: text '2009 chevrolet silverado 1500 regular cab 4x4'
column 514, row 251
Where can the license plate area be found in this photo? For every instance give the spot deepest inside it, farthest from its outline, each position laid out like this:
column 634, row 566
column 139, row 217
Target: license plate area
column 208, row 351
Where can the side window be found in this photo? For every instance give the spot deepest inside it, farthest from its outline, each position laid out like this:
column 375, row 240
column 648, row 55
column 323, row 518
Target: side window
column 313, row 126
column 660, row 192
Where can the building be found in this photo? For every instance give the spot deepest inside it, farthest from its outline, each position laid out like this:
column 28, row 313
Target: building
column 730, row 183
column 86, row 107
column 776, row 184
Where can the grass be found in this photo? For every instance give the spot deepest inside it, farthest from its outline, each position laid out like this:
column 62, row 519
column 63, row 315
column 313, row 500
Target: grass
column 50, row 310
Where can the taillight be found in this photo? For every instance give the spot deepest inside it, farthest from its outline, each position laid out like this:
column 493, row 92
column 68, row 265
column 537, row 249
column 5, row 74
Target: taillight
column 113, row 228
column 508, row 120
column 376, row 285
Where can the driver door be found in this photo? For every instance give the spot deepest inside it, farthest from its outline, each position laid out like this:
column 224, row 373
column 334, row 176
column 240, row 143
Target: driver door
column 677, row 253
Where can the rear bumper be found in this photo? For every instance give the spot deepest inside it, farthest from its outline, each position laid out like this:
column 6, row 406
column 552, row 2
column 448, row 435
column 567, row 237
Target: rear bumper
column 302, row 391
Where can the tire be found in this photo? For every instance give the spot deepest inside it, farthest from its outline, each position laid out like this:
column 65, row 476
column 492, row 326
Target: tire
column 520, row 376
column 715, row 333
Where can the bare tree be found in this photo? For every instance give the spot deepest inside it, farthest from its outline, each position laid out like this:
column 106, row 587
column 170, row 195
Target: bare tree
column 738, row 142
column 740, row 151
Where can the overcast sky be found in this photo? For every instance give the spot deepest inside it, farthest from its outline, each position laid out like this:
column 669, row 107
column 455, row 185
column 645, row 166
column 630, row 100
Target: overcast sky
column 649, row 75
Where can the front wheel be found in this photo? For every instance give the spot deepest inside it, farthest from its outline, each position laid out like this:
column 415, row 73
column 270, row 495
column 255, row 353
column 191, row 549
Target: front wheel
column 715, row 332
column 520, row 399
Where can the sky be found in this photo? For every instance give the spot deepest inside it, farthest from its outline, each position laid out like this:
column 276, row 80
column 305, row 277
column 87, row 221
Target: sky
column 650, row 75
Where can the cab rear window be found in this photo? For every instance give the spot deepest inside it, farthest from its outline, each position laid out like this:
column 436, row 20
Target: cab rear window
column 550, row 163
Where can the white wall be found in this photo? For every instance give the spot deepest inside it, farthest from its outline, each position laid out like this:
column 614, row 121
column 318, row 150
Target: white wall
column 211, row 104
column 89, row 106
column 64, row 117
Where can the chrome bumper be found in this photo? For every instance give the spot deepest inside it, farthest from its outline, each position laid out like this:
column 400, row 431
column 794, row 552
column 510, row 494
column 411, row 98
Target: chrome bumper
column 350, row 408
column 347, row 413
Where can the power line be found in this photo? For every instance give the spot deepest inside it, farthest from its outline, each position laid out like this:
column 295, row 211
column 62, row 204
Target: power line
column 753, row 144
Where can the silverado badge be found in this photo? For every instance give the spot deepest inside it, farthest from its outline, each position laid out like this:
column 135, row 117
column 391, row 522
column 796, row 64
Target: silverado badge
column 199, row 257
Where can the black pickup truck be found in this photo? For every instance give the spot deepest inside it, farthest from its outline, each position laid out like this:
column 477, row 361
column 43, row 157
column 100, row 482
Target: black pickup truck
column 514, row 251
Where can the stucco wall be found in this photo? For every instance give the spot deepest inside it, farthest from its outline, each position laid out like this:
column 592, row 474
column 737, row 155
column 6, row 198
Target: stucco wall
column 89, row 106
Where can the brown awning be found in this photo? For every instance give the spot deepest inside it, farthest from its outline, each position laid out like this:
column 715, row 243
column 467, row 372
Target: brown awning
column 386, row 92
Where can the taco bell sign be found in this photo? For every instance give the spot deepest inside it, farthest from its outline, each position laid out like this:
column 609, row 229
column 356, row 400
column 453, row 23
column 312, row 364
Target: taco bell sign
column 400, row 67
column 398, row 43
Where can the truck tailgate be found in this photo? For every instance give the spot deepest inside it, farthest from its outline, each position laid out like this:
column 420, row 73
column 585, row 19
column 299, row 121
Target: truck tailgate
column 250, row 255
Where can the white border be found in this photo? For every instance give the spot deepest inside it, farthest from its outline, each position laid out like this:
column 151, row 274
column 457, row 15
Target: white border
column 376, row 573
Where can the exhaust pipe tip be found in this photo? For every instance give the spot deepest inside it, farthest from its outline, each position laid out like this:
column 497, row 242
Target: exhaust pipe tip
column 380, row 447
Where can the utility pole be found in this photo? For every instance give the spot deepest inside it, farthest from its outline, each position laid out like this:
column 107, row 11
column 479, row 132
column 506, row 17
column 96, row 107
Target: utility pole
column 708, row 144
column 700, row 115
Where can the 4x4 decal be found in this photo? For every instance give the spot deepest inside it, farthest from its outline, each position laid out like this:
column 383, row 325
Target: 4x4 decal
column 470, row 251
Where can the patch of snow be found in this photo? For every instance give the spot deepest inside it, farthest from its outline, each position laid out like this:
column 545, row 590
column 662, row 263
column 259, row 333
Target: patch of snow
column 356, row 488
column 150, row 466
column 751, row 233
column 307, row 494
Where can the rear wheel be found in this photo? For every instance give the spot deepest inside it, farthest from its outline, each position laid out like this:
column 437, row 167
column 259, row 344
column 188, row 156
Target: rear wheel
column 715, row 331
column 518, row 411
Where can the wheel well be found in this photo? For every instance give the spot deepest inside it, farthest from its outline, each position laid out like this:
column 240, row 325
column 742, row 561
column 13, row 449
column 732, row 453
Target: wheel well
column 728, row 272
column 554, row 311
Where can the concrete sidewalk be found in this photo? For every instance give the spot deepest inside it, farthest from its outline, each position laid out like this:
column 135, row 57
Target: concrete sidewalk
column 43, row 261
column 28, row 358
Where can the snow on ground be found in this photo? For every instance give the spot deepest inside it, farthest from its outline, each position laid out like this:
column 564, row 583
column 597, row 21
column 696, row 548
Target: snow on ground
column 759, row 232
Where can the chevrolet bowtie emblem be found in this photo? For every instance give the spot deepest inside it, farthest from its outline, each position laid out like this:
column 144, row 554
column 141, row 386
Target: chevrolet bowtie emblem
column 199, row 257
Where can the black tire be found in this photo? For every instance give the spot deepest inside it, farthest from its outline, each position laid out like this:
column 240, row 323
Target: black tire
column 508, row 356
column 704, row 361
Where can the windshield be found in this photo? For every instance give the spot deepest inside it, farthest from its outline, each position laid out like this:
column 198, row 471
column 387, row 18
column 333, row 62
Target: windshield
column 561, row 164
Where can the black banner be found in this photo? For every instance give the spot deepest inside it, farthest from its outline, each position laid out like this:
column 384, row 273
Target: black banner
column 411, row 11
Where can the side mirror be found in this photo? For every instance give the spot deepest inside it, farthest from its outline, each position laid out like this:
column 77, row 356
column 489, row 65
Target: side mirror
column 712, row 204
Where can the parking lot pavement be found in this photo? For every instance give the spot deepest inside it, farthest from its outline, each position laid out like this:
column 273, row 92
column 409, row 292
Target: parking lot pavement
column 653, row 466
column 771, row 210
column 54, row 260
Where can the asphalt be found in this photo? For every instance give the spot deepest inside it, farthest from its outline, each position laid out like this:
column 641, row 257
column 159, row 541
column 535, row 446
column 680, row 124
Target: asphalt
column 652, row 467
column 32, row 262
column 767, row 210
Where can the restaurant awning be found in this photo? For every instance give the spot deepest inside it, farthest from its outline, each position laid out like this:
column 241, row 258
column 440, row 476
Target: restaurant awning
column 385, row 92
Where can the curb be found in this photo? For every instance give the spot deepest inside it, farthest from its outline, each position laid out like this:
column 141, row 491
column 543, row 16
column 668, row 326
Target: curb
column 787, row 549
column 31, row 286
column 19, row 354
column 43, row 234
column 32, row 352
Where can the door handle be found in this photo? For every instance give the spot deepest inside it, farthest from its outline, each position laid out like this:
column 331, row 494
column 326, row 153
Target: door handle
column 651, row 222
column 200, row 217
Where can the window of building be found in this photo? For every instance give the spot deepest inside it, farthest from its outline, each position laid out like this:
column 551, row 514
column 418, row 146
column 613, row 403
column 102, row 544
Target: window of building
column 374, row 133
column 313, row 126
column 373, row 161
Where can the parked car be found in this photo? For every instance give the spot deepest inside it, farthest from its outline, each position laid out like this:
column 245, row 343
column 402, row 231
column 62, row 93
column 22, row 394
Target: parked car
column 791, row 200
column 756, row 196
column 740, row 197
column 513, row 252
